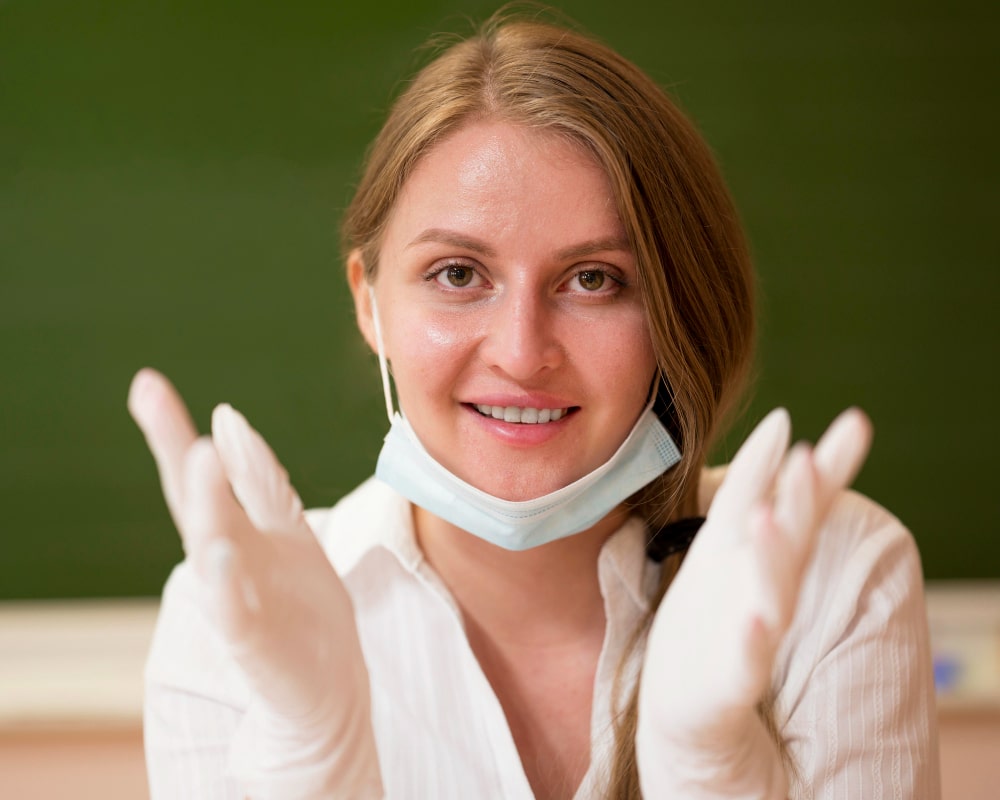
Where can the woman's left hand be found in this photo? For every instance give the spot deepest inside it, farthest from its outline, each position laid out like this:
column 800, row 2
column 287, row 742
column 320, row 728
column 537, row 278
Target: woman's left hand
column 714, row 639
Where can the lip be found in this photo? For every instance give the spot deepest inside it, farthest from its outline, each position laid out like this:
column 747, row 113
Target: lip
column 534, row 400
column 518, row 434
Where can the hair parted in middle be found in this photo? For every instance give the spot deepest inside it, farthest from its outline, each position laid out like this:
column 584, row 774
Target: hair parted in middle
column 694, row 270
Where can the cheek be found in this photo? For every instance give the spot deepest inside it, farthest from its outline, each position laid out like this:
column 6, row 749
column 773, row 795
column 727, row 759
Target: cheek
column 443, row 337
column 426, row 350
column 627, row 351
column 419, row 334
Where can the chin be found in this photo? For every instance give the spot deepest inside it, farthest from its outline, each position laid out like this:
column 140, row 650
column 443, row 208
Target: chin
column 521, row 487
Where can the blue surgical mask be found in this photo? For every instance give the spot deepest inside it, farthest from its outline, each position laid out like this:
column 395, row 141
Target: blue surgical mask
column 406, row 466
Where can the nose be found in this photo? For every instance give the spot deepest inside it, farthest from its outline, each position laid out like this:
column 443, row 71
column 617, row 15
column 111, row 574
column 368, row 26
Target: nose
column 522, row 340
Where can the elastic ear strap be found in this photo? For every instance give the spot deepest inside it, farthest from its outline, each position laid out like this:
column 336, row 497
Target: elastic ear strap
column 382, row 366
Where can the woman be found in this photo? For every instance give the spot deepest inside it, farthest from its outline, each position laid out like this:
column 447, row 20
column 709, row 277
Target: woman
column 542, row 249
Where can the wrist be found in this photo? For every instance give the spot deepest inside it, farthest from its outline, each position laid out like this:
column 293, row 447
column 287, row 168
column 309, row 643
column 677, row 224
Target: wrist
column 311, row 756
column 736, row 759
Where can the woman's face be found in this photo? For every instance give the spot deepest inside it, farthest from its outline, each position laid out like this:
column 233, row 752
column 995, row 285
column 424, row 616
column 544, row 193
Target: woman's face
column 510, row 310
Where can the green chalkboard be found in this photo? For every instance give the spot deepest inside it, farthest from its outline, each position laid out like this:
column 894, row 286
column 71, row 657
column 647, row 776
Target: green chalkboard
column 171, row 180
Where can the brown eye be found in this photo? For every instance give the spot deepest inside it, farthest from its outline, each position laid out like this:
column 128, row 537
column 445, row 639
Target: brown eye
column 591, row 279
column 459, row 276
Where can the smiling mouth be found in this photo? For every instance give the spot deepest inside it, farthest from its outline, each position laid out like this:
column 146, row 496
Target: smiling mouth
column 524, row 416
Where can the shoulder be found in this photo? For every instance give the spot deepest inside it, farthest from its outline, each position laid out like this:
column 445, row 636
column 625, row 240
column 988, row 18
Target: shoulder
column 853, row 682
column 862, row 593
column 860, row 541
column 356, row 506
column 863, row 550
column 372, row 515
column 863, row 554
column 861, row 606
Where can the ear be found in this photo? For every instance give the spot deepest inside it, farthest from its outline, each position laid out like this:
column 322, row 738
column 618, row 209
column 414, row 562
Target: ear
column 362, row 299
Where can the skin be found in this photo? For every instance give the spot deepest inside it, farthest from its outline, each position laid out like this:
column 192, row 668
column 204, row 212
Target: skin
column 529, row 220
column 546, row 314
column 523, row 330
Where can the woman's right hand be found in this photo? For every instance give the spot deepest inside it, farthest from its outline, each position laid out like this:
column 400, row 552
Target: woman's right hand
column 272, row 595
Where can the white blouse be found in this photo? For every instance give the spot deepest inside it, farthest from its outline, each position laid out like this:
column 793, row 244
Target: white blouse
column 853, row 682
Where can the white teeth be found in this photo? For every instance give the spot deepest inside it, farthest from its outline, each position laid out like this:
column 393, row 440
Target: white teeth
column 521, row 415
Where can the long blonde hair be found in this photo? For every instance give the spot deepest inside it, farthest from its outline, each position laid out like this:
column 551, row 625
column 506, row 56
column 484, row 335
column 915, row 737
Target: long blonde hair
column 695, row 274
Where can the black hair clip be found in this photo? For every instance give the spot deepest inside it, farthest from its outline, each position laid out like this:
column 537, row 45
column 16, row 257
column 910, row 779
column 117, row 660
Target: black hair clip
column 673, row 538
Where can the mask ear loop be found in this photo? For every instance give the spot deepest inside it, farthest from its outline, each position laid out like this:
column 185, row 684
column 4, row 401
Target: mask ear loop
column 382, row 366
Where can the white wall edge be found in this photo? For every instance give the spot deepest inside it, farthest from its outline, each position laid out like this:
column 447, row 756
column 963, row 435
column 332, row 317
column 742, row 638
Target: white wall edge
column 80, row 662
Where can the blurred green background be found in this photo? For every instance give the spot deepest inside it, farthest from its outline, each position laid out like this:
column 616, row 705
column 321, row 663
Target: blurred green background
column 172, row 176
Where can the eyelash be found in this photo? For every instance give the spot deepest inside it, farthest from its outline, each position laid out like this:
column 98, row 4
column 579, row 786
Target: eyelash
column 437, row 273
column 618, row 282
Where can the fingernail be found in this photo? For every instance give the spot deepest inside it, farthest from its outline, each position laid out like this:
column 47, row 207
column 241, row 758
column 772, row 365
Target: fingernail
column 228, row 427
column 224, row 422
column 138, row 388
column 777, row 427
column 799, row 451
column 779, row 417
column 221, row 414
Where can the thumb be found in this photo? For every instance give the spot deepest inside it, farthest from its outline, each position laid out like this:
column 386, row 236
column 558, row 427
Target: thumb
column 259, row 481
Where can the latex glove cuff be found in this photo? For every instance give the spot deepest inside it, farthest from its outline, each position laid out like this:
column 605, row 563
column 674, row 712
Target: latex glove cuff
column 274, row 758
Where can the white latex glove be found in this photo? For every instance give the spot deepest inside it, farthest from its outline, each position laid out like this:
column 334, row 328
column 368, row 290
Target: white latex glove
column 274, row 598
column 713, row 641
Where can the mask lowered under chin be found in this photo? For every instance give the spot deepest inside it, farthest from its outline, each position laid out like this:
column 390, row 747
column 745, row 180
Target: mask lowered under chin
column 407, row 467
column 404, row 464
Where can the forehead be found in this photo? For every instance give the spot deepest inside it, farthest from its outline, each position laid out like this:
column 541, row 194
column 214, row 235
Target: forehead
column 509, row 184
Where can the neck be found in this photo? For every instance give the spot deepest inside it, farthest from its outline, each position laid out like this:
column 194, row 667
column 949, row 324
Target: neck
column 546, row 596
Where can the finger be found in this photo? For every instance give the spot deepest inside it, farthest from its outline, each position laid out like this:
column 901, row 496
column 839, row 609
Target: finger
column 783, row 535
column 164, row 420
column 258, row 479
column 795, row 496
column 777, row 573
column 222, row 544
column 211, row 513
column 751, row 474
column 230, row 590
column 841, row 452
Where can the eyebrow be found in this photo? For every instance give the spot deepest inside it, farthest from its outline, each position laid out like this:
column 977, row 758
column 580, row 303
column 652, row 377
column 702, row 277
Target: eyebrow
column 601, row 245
column 444, row 236
column 589, row 247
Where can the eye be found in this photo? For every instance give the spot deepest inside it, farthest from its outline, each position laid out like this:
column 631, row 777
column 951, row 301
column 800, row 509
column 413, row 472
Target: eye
column 591, row 279
column 596, row 281
column 455, row 276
